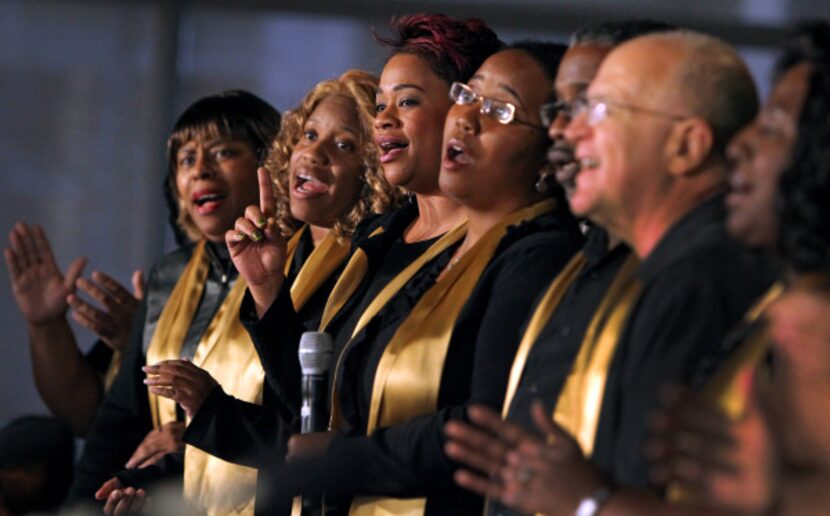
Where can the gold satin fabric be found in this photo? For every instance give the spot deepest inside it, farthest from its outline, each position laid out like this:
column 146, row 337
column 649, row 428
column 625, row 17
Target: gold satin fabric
column 350, row 279
column 408, row 376
column 346, row 284
column 318, row 267
column 722, row 390
column 580, row 402
column 112, row 369
column 538, row 320
column 209, row 482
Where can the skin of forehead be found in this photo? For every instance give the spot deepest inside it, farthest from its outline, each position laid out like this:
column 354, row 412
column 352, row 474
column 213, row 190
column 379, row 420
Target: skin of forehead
column 580, row 64
column 641, row 69
column 339, row 106
column 522, row 75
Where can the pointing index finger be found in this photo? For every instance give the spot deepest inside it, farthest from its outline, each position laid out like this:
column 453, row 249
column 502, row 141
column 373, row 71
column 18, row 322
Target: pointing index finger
column 267, row 203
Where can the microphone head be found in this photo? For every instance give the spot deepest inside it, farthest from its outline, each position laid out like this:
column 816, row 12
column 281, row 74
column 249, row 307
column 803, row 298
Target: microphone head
column 316, row 349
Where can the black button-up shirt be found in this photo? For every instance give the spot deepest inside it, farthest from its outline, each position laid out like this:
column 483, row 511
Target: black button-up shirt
column 697, row 285
column 554, row 351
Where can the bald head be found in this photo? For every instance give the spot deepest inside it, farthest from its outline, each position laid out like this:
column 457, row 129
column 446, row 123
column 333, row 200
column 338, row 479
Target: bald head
column 704, row 77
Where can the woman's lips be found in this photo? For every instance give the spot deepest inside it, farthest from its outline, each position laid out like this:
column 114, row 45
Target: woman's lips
column 208, row 201
column 456, row 156
column 307, row 187
column 390, row 148
column 739, row 189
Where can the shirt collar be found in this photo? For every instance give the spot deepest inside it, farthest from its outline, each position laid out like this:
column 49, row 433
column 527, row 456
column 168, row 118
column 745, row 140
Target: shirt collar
column 596, row 247
column 706, row 218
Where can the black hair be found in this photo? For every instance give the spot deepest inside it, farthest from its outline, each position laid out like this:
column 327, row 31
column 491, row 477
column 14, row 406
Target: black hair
column 233, row 113
column 40, row 445
column 614, row 33
column 547, row 54
column 803, row 207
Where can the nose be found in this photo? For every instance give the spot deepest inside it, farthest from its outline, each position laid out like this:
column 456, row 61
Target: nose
column 556, row 129
column 387, row 119
column 204, row 166
column 740, row 147
column 577, row 129
column 316, row 153
column 466, row 117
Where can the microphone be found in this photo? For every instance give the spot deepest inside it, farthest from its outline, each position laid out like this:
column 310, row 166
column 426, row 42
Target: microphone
column 316, row 349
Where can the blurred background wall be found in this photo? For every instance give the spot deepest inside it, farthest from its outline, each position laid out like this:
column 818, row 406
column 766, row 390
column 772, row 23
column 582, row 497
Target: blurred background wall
column 89, row 91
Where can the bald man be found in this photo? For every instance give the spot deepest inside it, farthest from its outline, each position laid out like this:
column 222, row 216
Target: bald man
column 650, row 136
column 543, row 364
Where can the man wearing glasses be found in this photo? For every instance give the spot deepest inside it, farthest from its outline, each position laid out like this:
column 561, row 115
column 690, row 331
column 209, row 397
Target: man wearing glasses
column 649, row 135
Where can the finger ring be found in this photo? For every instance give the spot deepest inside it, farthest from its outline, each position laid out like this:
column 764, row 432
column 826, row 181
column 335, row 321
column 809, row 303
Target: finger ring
column 524, row 475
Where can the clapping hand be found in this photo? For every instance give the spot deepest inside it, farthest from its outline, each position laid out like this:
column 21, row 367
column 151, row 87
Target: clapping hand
column 39, row 287
column 522, row 469
column 112, row 323
column 121, row 500
column 181, row 381
column 43, row 293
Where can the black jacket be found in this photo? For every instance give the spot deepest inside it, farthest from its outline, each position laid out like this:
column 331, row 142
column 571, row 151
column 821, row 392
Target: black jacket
column 123, row 419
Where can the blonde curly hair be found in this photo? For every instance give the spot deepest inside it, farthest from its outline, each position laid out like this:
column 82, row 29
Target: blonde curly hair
column 377, row 195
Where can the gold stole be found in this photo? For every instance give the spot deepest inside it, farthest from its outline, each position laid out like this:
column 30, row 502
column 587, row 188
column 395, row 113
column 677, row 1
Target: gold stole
column 538, row 320
column 722, row 389
column 580, row 402
column 209, row 482
column 350, row 279
column 112, row 370
column 318, row 267
column 347, row 283
column 408, row 376
column 291, row 247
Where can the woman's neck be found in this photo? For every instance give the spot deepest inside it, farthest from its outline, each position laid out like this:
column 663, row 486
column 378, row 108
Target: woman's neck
column 437, row 214
column 318, row 233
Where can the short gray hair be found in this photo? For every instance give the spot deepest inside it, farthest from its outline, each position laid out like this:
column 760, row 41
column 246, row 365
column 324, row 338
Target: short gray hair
column 612, row 34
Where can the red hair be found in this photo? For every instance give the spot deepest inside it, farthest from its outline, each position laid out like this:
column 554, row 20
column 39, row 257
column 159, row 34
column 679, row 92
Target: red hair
column 453, row 48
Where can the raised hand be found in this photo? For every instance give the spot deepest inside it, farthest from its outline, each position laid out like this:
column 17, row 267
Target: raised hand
column 113, row 322
column 181, row 381
column 547, row 475
column 157, row 444
column 39, row 287
column 482, row 448
column 520, row 468
column 257, row 247
column 712, row 459
column 120, row 500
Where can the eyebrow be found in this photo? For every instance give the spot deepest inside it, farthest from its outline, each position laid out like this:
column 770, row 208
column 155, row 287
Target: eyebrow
column 343, row 128
column 504, row 87
column 402, row 86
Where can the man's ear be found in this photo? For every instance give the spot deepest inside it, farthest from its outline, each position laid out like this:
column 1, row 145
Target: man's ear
column 688, row 146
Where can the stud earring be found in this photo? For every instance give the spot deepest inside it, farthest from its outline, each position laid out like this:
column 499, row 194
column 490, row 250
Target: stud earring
column 542, row 183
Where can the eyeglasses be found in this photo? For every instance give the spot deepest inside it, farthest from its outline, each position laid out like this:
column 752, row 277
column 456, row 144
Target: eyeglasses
column 503, row 112
column 597, row 109
column 548, row 112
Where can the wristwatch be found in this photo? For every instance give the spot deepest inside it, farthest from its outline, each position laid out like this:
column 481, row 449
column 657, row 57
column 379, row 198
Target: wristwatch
column 590, row 505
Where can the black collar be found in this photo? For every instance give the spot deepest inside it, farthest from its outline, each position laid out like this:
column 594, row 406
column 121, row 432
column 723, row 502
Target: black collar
column 703, row 221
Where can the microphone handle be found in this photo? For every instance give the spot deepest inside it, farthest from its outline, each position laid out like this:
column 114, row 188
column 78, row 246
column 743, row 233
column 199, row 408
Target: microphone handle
column 314, row 413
